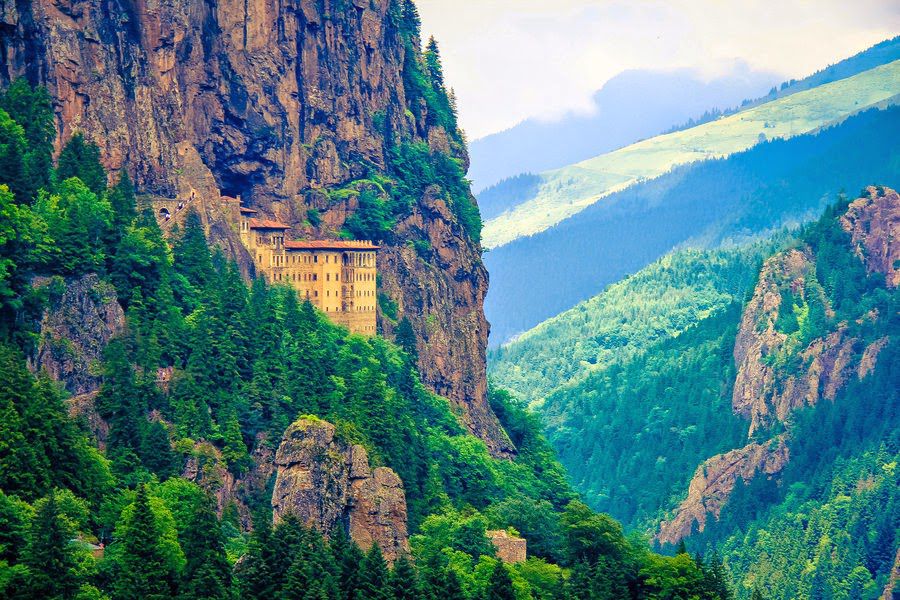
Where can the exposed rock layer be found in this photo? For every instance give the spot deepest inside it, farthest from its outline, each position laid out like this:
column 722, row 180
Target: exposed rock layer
column 873, row 223
column 271, row 102
column 327, row 483
column 714, row 481
column 75, row 329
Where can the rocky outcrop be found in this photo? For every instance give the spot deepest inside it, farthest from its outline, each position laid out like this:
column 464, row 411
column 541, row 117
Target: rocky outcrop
column 205, row 466
column 870, row 357
column 83, row 315
column 83, row 407
column 890, row 589
column 873, row 223
column 714, row 481
column 327, row 483
column 271, row 102
column 760, row 392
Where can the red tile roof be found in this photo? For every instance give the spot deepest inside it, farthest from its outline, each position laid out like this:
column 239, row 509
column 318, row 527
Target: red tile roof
column 330, row 245
column 267, row 224
column 248, row 211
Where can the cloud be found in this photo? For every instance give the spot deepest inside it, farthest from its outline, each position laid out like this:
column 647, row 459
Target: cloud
column 512, row 59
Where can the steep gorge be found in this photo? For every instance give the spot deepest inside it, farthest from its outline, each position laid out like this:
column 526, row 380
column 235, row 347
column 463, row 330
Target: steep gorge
column 788, row 357
column 278, row 103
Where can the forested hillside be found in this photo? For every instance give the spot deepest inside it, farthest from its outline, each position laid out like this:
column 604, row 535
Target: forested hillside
column 750, row 194
column 146, row 386
column 660, row 301
column 564, row 193
column 656, row 433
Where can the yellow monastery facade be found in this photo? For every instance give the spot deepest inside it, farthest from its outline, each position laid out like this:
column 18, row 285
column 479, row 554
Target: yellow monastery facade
column 337, row 276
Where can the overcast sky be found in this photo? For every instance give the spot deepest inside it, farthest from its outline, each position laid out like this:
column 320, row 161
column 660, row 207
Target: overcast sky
column 513, row 59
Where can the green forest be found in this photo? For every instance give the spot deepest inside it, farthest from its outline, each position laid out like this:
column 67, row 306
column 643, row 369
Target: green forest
column 635, row 388
column 245, row 360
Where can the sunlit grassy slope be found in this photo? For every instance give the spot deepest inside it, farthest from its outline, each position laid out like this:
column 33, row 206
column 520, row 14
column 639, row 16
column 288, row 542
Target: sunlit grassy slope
column 565, row 192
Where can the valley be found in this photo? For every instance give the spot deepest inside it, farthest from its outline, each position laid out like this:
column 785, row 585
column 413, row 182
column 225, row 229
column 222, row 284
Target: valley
column 248, row 348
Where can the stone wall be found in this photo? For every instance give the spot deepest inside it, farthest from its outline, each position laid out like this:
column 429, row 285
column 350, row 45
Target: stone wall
column 510, row 549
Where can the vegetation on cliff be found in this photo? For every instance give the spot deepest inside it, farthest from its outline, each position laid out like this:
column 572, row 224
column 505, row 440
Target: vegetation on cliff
column 207, row 370
column 666, row 383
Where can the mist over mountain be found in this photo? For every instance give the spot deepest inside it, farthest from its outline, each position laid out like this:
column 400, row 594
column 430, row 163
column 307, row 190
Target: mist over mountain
column 632, row 105
column 773, row 184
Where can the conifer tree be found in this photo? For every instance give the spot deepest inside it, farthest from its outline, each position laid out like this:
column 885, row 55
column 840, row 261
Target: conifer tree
column 32, row 108
column 19, row 471
column 145, row 568
column 374, row 577
column 207, row 574
column 156, row 449
column 122, row 200
column 348, row 558
column 192, row 256
column 404, row 582
column 81, row 159
column 12, row 158
column 256, row 579
column 500, row 585
column 411, row 23
column 433, row 62
column 235, row 450
column 406, row 338
column 50, row 553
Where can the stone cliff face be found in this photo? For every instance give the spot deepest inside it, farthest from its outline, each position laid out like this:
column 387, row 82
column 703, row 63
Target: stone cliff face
column 75, row 329
column 447, row 290
column 763, row 392
column 271, row 102
column 328, row 483
column 714, row 481
column 873, row 223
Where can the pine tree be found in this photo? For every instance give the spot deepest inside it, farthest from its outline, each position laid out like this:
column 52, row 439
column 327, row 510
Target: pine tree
column 81, row 159
column 144, row 570
column 348, row 558
column 32, row 108
column 123, row 202
column 374, row 581
column 717, row 578
column 256, row 580
column 12, row 158
column 433, row 62
column 156, row 450
column 50, row 553
column 207, row 575
column 406, row 338
column 404, row 582
column 757, row 595
column 500, row 586
column 192, row 256
column 411, row 23
column 19, row 470
column 235, row 450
